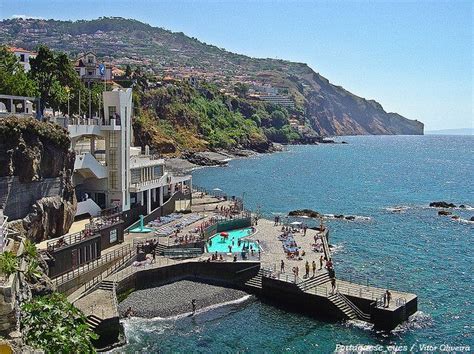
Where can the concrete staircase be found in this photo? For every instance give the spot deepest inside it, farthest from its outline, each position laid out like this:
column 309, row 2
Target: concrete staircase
column 310, row 283
column 88, row 207
column 93, row 321
column 107, row 285
column 160, row 249
column 255, row 281
column 337, row 300
column 87, row 165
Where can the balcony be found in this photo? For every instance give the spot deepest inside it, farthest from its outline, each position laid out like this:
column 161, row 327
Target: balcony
column 152, row 183
column 91, row 126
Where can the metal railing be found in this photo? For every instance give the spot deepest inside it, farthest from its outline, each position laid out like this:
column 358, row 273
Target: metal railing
column 3, row 233
column 70, row 275
column 70, row 239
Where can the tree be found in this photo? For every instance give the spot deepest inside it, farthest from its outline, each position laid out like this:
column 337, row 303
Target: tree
column 279, row 119
column 13, row 79
column 53, row 324
column 53, row 72
column 241, row 89
column 128, row 71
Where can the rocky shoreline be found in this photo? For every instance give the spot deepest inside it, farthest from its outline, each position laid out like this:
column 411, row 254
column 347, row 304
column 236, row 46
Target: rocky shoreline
column 175, row 299
column 190, row 160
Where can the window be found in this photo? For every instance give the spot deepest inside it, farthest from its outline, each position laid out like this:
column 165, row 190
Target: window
column 90, row 59
column 135, row 175
column 113, row 179
column 90, row 73
column 113, row 143
column 112, row 159
column 112, row 111
column 22, row 58
column 157, row 171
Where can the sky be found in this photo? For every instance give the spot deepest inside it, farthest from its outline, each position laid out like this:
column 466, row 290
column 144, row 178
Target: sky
column 413, row 57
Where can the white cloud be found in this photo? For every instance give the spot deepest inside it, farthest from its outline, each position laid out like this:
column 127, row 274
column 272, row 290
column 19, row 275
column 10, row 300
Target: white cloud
column 27, row 16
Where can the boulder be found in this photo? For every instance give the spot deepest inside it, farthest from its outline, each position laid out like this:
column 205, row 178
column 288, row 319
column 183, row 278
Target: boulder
column 444, row 212
column 340, row 216
column 350, row 217
column 442, row 204
column 472, row 218
column 305, row 212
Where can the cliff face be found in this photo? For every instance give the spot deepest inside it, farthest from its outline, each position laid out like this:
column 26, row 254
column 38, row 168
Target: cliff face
column 335, row 111
column 35, row 177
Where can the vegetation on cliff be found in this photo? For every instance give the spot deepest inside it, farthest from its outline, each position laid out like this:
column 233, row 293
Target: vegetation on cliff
column 53, row 324
column 182, row 117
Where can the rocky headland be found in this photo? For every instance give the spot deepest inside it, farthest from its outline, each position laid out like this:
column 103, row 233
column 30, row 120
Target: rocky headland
column 36, row 166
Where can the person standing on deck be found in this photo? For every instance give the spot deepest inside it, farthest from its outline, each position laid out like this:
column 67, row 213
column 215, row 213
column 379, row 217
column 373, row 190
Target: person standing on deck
column 321, row 263
column 307, row 269
column 333, row 285
column 282, row 266
column 314, row 268
column 386, row 298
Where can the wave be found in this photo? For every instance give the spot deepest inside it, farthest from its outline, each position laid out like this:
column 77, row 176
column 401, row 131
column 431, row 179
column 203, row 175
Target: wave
column 464, row 221
column 418, row 320
column 336, row 248
column 398, row 208
column 133, row 320
column 360, row 324
column 347, row 217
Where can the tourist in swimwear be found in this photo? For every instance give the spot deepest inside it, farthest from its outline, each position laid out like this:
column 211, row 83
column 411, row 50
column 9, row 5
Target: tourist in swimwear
column 193, row 305
column 314, row 268
column 282, row 266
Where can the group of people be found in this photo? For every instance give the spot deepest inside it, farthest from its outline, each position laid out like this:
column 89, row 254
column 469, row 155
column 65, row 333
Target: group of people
column 227, row 212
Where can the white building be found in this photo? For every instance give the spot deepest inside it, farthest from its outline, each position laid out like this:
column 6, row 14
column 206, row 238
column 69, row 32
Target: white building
column 88, row 68
column 23, row 56
column 109, row 172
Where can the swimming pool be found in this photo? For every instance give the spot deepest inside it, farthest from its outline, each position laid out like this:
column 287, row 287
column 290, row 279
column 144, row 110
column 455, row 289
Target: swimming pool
column 220, row 244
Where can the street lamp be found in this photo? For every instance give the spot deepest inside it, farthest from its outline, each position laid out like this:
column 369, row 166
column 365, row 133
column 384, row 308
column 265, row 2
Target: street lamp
column 68, row 90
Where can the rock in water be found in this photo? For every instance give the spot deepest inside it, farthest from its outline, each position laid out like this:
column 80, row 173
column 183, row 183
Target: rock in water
column 305, row 212
column 442, row 205
column 444, row 212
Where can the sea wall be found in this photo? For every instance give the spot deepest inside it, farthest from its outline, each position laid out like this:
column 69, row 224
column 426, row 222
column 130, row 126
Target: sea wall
column 231, row 274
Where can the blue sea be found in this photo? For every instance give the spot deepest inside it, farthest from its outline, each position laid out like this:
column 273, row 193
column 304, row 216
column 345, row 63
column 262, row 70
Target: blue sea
column 412, row 249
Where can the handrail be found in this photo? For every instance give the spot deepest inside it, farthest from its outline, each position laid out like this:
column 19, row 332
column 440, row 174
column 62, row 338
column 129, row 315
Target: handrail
column 69, row 275
column 362, row 315
column 3, row 233
column 70, row 239
column 247, row 269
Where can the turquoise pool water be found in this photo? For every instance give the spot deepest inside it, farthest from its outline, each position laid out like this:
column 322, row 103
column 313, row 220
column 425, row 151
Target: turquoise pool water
column 221, row 244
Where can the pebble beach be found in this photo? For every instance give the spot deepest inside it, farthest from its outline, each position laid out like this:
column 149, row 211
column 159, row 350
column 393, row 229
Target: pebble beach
column 175, row 299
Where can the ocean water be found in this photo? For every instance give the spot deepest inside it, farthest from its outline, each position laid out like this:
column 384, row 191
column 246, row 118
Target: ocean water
column 413, row 250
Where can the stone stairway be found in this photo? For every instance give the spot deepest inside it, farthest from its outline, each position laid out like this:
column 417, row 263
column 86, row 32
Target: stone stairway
column 310, row 283
column 160, row 249
column 106, row 285
column 338, row 301
column 255, row 281
column 93, row 321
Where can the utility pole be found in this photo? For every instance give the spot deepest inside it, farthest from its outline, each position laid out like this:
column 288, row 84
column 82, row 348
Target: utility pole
column 79, row 102
column 90, row 100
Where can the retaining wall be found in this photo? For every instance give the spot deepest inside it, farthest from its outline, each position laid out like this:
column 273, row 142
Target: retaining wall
column 17, row 198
